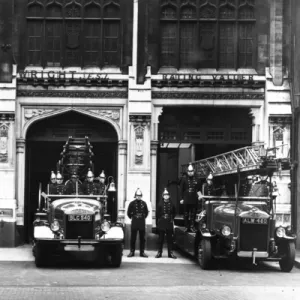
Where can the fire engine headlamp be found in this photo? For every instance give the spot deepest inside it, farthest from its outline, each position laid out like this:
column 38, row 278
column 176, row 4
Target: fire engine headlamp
column 226, row 230
column 105, row 226
column 55, row 226
column 280, row 232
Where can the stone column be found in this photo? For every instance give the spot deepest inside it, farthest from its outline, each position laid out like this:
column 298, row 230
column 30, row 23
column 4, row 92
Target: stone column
column 122, row 171
column 257, row 126
column 154, row 146
column 20, row 179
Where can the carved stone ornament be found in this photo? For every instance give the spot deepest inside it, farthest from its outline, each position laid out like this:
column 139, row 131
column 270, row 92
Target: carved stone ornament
column 139, row 144
column 210, row 96
column 30, row 113
column 73, row 94
column 4, row 142
column 108, row 113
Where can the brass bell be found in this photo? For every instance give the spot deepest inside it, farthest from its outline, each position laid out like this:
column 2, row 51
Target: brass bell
column 112, row 187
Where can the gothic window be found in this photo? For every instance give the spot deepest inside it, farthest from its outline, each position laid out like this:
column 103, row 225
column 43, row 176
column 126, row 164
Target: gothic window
column 207, row 34
column 62, row 33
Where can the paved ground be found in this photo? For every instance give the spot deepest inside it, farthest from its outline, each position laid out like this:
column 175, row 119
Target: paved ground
column 142, row 278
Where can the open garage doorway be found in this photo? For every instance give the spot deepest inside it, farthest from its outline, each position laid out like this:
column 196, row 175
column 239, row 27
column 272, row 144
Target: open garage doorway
column 44, row 144
column 194, row 133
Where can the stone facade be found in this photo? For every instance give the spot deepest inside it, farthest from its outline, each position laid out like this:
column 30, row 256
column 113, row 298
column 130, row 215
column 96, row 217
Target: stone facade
column 131, row 98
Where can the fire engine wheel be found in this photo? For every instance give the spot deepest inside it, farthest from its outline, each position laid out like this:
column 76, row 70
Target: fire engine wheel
column 287, row 262
column 41, row 258
column 116, row 257
column 204, row 254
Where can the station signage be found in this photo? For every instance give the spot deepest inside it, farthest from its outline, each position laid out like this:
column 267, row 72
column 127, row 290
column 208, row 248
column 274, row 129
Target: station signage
column 208, row 77
column 61, row 75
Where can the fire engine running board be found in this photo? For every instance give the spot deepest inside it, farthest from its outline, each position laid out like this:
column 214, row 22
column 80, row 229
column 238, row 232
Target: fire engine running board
column 250, row 254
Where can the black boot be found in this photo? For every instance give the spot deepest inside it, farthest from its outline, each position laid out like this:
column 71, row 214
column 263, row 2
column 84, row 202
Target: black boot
column 131, row 253
column 143, row 254
column 171, row 255
column 158, row 255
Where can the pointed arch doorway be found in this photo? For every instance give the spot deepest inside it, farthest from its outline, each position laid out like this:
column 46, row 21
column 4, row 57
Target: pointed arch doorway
column 44, row 143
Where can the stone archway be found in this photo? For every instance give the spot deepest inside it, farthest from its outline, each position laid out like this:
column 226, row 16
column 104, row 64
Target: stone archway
column 33, row 118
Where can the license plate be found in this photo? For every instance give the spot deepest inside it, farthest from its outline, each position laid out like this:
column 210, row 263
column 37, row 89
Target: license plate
column 81, row 248
column 76, row 218
column 254, row 221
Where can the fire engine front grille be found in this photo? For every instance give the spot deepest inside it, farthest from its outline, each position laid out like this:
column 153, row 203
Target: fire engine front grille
column 253, row 236
column 85, row 229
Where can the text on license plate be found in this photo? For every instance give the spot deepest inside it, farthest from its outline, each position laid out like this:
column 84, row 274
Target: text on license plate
column 80, row 218
column 254, row 221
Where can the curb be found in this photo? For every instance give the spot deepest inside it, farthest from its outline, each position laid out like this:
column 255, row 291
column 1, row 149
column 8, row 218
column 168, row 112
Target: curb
column 297, row 264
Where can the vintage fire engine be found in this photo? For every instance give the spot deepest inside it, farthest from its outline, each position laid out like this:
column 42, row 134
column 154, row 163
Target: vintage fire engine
column 67, row 224
column 235, row 224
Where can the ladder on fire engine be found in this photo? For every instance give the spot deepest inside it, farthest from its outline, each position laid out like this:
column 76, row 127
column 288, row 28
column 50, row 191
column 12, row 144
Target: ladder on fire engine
column 250, row 158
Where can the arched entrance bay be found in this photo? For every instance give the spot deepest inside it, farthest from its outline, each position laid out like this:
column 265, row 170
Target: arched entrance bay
column 44, row 143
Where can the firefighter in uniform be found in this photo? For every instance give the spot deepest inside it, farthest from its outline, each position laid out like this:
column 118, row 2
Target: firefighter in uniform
column 246, row 188
column 165, row 212
column 190, row 192
column 90, row 187
column 208, row 187
column 137, row 212
column 102, row 183
column 58, row 189
column 73, row 186
column 53, row 184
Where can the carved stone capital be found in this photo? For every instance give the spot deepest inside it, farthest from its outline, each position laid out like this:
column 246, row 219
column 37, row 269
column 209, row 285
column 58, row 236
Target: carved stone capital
column 140, row 120
column 20, row 143
column 280, row 120
column 122, row 147
column 153, row 147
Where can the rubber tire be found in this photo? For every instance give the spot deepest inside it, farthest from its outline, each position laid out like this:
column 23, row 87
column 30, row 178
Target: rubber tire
column 40, row 257
column 116, row 256
column 205, row 260
column 287, row 262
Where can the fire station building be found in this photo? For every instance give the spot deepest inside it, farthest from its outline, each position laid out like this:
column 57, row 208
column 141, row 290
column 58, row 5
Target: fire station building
column 153, row 84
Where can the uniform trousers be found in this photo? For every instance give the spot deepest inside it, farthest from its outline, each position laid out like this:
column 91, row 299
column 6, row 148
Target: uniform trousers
column 169, row 234
column 189, row 214
column 142, row 234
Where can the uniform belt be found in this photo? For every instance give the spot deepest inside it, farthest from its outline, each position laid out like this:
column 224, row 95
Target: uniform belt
column 166, row 216
column 139, row 216
column 191, row 190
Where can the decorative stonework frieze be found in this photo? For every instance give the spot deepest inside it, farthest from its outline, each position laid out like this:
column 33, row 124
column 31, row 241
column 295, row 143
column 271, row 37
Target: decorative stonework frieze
column 108, row 113
column 33, row 112
column 209, row 96
column 73, row 94
column 140, row 119
column 280, row 120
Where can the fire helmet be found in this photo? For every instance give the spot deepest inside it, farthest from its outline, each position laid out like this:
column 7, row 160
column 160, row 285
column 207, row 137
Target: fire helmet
column 90, row 173
column 138, row 193
column 165, row 192
column 52, row 176
column 190, row 168
column 210, row 176
column 102, row 175
column 59, row 176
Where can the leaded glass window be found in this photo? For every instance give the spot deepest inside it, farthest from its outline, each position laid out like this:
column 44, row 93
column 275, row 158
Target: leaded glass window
column 207, row 33
column 73, row 33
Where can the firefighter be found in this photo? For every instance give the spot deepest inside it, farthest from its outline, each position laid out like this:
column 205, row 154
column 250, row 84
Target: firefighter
column 165, row 212
column 102, row 187
column 137, row 212
column 246, row 188
column 59, row 184
column 208, row 188
column 53, row 184
column 90, row 187
column 190, row 192
column 73, row 186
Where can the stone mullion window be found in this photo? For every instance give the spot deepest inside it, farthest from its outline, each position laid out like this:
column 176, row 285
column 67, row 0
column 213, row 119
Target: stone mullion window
column 221, row 33
column 74, row 33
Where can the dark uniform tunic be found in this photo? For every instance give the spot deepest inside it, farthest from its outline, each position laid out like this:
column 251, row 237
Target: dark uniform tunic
column 209, row 190
column 165, row 212
column 56, row 189
column 137, row 212
column 189, row 186
column 90, row 188
column 70, row 188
